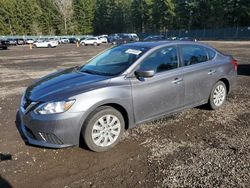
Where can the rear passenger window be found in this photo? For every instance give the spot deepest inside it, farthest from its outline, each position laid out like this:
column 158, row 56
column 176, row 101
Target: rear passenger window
column 211, row 53
column 193, row 54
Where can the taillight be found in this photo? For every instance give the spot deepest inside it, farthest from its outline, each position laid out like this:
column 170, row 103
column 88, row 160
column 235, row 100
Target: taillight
column 235, row 64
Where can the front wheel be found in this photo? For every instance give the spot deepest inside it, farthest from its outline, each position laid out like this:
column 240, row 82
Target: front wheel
column 103, row 129
column 218, row 95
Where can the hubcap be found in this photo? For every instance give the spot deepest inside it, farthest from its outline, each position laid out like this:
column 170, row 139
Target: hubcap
column 106, row 130
column 219, row 95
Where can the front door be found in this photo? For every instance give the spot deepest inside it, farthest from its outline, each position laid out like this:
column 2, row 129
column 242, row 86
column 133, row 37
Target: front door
column 163, row 93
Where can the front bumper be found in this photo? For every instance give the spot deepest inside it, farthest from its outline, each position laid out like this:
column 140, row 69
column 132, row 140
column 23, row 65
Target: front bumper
column 52, row 131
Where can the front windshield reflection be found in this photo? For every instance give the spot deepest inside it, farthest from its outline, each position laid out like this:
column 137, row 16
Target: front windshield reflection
column 113, row 61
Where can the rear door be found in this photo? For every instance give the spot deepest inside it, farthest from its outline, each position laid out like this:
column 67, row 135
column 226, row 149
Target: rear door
column 43, row 44
column 162, row 93
column 199, row 73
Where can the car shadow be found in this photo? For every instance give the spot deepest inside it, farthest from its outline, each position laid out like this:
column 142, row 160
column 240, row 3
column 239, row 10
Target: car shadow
column 204, row 107
column 4, row 183
column 244, row 69
column 5, row 157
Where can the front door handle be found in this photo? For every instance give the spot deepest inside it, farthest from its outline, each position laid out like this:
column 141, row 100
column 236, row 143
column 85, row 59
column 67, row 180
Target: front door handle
column 211, row 72
column 177, row 80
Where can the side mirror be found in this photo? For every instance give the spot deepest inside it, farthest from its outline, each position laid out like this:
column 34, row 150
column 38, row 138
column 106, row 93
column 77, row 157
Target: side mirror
column 145, row 73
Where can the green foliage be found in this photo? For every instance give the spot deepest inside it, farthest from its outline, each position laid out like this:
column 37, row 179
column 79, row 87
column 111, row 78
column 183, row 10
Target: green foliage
column 42, row 17
column 83, row 16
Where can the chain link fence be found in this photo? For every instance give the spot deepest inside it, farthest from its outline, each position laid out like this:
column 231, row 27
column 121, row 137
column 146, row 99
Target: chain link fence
column 238, row 33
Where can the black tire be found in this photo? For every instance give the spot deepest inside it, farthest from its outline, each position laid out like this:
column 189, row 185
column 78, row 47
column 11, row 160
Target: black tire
column 93, row 118
column 211, row 102
column 49, row 46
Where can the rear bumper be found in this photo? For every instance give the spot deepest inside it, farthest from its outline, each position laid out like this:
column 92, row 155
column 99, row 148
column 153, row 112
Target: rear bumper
column 233, row 81
column 54, row 131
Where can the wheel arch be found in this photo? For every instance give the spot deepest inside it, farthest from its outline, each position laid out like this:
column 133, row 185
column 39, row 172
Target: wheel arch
column 128, row 119
column 227, row 83
column 122, row 110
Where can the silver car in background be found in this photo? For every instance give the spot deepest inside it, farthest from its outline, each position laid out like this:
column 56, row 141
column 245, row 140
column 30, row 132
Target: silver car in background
column 122, row 87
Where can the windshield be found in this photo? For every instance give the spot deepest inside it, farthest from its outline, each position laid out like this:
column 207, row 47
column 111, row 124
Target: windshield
column 113, row 61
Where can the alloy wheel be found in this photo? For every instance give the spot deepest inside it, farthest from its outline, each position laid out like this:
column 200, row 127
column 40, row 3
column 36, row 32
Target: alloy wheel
column 219, row 95
column 106, row 130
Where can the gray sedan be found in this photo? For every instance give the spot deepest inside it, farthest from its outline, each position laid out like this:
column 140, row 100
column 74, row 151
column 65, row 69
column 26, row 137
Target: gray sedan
column 122, row 87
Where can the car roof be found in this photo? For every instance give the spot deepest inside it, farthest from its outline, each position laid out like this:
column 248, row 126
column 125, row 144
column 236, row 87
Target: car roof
column 160, row 43
column 153, row 44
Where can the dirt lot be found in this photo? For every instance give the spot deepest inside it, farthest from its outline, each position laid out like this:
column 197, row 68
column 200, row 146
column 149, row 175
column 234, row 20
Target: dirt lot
column 195, row 148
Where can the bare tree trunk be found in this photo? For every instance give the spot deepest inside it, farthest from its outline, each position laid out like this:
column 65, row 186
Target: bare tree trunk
column 65, row 25
column 10, row 27
column 65, row 8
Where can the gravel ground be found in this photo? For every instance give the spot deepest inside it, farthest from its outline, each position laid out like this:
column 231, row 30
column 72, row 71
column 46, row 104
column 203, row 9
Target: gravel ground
column 194, row 148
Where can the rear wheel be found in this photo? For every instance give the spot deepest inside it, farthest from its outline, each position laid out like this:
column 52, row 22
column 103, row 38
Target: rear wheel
column 95, row 44
column 218, row 95
column 103, row 129
column 49, row 45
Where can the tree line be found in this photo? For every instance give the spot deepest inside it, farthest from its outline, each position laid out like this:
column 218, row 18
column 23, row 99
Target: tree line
column 79, row 17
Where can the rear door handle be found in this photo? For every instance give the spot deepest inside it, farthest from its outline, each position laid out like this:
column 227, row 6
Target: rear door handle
column 177, row 80
column 211, row 72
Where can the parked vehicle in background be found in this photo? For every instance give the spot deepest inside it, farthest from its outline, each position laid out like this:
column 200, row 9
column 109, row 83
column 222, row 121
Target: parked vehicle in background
column 45, row 44
column 188, row 39
column 20, row 41
column 55, row 39
column 91, row 41
column 73, row 40
column 29, row 41
column 121, row 38
column 122, row 87
column 154, row 38
column 3, row 44
column 64, row 40
column 12, row 41
column 103, row 35
column 174, row 38
column 103, row 39
column 111, row 38
column 83, row 38
column 134, row 37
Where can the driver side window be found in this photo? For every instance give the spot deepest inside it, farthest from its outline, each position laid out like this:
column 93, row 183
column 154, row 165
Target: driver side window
column 161, row 60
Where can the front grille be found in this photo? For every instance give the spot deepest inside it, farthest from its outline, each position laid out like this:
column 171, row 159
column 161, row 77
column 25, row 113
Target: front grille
column 51, row 138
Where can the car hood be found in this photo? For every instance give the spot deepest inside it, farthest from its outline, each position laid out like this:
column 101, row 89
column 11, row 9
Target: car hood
column 64, row 84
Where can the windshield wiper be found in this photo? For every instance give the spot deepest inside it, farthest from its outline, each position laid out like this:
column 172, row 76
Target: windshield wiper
column 97, row 73
column 88, row 71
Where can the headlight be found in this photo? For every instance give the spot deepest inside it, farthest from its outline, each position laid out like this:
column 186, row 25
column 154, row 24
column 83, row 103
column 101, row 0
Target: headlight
column 54, row 107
